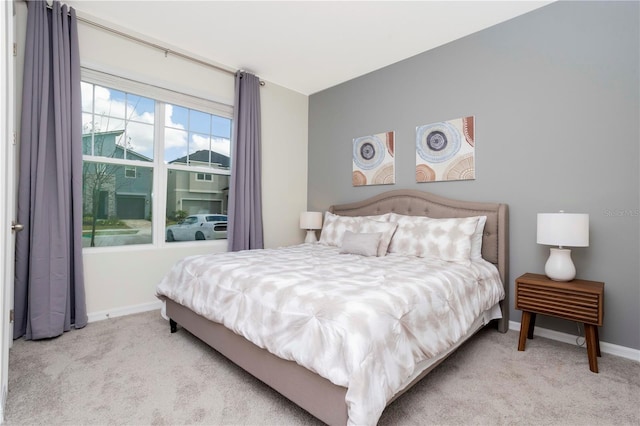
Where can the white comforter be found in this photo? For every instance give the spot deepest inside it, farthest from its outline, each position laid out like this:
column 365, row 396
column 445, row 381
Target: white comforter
column 360, row 322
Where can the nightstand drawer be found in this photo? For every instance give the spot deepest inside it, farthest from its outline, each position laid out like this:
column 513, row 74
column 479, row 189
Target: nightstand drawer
column 577, row 300
column 568, row 304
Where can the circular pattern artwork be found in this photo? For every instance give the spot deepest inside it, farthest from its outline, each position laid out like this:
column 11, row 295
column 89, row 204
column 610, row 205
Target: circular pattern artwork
column 368, row 152
column 438, row 142
column 385, row 175
column 468, row 129
column 390, row 143
column 425, row 173
column 358, row 178
column 462, row 169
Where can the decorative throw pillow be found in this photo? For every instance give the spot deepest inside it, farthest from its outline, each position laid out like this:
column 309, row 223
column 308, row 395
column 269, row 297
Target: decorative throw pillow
column 334, row 227
column 385, row 228
column 446, row 239
column 364, row 244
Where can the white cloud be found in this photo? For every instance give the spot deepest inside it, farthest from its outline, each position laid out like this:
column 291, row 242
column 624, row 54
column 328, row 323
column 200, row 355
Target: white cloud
column 222, row 146
column 198, row 142
column 176, row 137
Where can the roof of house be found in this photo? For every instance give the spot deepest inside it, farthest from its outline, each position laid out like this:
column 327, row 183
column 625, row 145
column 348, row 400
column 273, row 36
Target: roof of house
column 202, row 156
column 115, row 133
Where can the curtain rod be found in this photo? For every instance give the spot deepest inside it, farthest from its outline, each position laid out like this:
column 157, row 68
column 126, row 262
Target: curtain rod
column 166, row 50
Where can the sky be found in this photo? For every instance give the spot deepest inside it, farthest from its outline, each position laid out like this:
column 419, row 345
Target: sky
column 185, row 130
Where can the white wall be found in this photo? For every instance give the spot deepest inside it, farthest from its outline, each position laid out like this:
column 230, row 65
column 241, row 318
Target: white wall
column 284, row 163
column 122, row 280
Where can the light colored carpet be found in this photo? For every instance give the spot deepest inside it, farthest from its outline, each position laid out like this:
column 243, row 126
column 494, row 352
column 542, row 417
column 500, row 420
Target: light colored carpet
column 132, row 371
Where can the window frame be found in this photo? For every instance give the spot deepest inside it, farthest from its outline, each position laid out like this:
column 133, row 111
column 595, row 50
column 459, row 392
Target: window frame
column 161, row 96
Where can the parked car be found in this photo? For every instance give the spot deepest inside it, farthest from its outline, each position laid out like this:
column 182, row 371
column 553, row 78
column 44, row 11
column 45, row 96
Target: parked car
column 199, row 227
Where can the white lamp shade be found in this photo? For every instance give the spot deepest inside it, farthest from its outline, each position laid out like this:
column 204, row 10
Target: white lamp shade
column 563, row 229
column 311, row 220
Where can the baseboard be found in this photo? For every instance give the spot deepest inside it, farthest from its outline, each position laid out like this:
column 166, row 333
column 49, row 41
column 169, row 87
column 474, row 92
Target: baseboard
column 610, row 348
column 4, row 403
column 127, row 310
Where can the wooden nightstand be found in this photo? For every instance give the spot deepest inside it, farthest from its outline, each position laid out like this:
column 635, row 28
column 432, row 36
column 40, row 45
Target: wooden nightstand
column 577, row 300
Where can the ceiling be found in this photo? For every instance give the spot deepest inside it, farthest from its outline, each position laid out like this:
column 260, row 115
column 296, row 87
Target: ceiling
column 306, row 46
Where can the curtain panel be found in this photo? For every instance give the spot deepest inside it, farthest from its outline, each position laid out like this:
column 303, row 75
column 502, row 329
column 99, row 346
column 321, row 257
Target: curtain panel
column 245, row 195
column 49, row 278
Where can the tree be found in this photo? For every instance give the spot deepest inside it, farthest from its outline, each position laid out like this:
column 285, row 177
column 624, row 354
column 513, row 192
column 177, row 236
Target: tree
column 96, row 176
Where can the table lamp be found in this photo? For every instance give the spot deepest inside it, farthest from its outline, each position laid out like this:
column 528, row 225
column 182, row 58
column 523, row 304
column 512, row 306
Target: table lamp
column 562, row 229
column 311, row 221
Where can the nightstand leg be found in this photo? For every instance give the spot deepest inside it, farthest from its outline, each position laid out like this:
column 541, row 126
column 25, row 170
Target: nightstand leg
column 591, row 333
column 532, row 325
column 524, row 329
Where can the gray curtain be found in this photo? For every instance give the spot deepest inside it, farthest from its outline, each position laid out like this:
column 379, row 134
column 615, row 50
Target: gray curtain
column 49, row 281
column 245, row 195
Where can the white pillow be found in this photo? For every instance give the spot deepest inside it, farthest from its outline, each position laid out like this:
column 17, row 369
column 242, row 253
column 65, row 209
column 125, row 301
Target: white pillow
column 476, row 239
column 334, row 227
column 447, row 239
column 364, row 244
column 379, row 217
column 386, row 229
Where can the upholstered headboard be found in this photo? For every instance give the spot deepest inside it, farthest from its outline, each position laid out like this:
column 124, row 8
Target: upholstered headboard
column 495, row 242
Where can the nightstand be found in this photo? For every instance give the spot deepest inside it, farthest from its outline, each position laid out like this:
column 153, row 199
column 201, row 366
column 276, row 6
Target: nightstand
column 577, row 300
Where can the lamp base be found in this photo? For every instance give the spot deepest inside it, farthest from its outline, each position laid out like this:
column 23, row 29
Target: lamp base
column 311, row 236
column 559, row 266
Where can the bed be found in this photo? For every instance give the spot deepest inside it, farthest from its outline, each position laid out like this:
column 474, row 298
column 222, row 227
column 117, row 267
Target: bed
column 273, row 360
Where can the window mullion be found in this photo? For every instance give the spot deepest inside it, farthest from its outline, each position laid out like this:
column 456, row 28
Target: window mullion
column 159, row 195
column 116, row 161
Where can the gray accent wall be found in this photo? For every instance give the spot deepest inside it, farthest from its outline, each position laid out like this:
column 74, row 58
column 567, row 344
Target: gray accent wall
column 556, row 98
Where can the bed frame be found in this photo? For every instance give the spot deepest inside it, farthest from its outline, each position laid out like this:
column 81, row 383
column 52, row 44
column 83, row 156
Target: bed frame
column 316, row 394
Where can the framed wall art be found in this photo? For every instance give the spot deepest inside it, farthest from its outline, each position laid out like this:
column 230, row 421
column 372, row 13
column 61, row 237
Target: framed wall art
column 373, row 160
column 446, row 150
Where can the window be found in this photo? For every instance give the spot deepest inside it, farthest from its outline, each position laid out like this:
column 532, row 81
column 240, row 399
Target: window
column 130, row 172
column 204, row 177
column 150, row 153
column 196, row 140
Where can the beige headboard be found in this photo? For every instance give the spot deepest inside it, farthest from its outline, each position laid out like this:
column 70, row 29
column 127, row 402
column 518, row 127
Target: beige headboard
column 495, row 243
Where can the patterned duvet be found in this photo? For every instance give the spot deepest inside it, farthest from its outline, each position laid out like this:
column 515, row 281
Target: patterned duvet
column 361, row 322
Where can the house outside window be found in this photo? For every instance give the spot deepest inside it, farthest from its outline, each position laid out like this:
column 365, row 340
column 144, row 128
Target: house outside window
column 147, row 159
